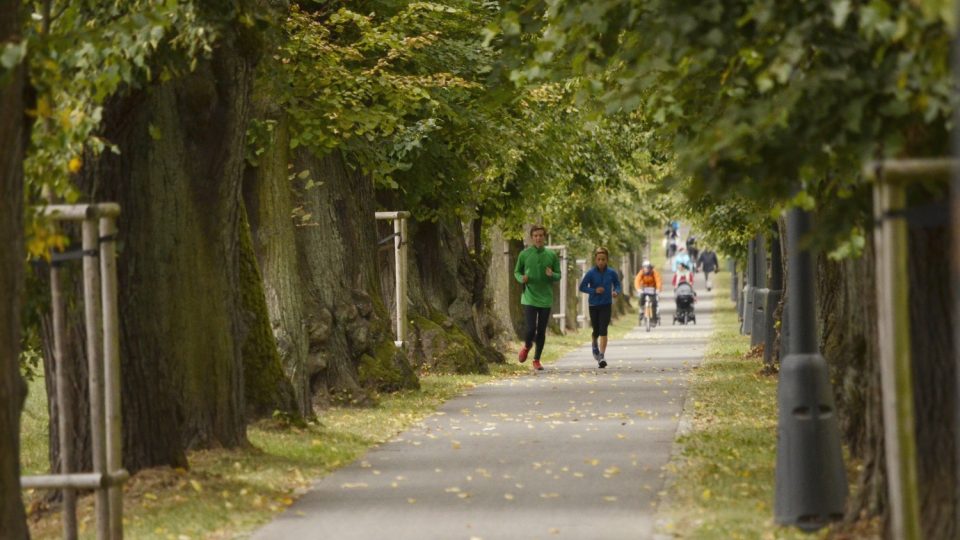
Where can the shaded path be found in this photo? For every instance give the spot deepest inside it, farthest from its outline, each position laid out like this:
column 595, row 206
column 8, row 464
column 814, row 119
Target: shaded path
column 573, row 452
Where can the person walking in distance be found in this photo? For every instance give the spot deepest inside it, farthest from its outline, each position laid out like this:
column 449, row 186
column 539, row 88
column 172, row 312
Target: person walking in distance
column 603, row 285
column 708, row 264
column 538, row 268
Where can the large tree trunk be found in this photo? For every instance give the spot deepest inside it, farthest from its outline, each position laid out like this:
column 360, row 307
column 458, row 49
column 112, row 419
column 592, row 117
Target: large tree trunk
column 266, row 387
column 846, row 303
column 934, row 372
column 177, row 179
column 269, row 199
column 506, row 290
column 351, row 346
column 12, row 388
column 454, row 328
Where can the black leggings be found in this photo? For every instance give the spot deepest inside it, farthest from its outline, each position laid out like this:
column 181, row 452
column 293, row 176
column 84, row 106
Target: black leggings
column 537, row 320
column 600, row 319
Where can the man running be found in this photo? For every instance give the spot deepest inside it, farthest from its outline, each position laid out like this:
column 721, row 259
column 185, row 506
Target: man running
column 538, row 268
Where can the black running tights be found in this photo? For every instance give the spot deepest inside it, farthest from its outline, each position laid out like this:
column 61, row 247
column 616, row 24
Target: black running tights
column 537, row 320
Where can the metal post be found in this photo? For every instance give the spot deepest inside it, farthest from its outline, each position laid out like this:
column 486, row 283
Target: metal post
column 94, row 327
column 111, row 363
column 64, row 402
column 584, row 297
column 750, row 283
column 400, row 244
column 893, row 328
column 563, row 287
column 811, row 486
column 734, row 281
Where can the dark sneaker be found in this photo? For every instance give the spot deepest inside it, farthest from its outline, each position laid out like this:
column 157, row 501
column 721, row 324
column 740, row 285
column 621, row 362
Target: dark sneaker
column 537, row 365
column 602, row 363
column 524, row 351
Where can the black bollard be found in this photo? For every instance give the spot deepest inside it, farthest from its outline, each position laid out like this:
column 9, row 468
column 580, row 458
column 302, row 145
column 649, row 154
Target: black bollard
column 811, row 484
column 734, row 281
column 773, row 299
column 748, row 285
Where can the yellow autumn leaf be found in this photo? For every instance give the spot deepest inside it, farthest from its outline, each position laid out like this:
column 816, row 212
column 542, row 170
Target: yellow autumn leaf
column 196, row 486
column 75, row 165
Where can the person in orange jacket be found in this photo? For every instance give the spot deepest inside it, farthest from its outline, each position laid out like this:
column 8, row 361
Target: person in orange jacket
column 649, row 284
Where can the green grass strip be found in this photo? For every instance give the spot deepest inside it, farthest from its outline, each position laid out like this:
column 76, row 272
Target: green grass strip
column 723, row 476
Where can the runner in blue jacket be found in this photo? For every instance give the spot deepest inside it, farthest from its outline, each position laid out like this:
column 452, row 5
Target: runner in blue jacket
column 603, row 285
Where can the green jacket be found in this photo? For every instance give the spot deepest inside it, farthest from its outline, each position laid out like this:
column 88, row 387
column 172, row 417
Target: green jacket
column 533, row 263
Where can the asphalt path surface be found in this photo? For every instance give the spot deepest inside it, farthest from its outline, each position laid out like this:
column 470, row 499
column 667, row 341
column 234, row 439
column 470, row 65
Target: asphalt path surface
column 571, row 452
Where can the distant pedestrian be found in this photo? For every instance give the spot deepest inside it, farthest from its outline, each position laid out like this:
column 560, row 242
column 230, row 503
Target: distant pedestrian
column 603, row 285
column 538, row 268
column 708, row 264
column 682, row 258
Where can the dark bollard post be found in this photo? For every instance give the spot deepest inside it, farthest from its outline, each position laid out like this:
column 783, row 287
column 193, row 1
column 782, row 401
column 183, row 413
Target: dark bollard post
column 758, row 328
column 749, row 285
column 773, row 299
column 811, row 484
column 734, row 281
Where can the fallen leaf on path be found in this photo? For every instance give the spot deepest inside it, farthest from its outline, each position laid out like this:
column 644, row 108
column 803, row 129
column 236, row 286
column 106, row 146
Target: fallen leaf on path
column 352, row 485
column 610, row 498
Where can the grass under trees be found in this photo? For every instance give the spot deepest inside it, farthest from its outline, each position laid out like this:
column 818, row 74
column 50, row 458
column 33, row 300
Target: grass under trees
column 229, row 492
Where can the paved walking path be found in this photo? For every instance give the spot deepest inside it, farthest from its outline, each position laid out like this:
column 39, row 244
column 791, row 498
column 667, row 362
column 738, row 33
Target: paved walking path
column 573, row 452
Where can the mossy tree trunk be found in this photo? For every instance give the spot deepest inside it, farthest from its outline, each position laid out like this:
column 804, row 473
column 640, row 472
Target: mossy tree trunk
column 12, row 388
column 177, row 179
column 454, row 328
column 351, row 351
column 269, row 200
column 506, row 290
column 266, row 387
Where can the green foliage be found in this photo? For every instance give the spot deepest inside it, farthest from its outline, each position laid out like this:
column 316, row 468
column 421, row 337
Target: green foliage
column 754, row 97
column 409, row 93
column 81, row 54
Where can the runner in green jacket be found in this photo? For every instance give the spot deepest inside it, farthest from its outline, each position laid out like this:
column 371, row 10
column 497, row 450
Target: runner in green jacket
column 538, row 268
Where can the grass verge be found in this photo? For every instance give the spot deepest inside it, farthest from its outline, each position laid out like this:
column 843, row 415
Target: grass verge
column 227, row 493
column 723, row 483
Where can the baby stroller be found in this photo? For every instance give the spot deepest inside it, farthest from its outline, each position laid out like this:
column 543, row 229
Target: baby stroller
column 685, row 298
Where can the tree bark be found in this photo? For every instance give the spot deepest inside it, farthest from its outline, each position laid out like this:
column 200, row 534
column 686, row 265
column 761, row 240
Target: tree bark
column 454, row 326
column 352, row 354
column 266, row 387
column 177, row 179
column 12, row 388
column 934, row 373
column 846, row 302
column 506, row 290
column 269, row 200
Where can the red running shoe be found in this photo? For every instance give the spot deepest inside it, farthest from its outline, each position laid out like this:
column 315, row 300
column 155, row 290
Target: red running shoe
column 524, row 351
column 537, row 365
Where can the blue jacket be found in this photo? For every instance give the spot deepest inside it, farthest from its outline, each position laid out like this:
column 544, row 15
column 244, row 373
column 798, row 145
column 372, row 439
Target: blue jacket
column 608, row 279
